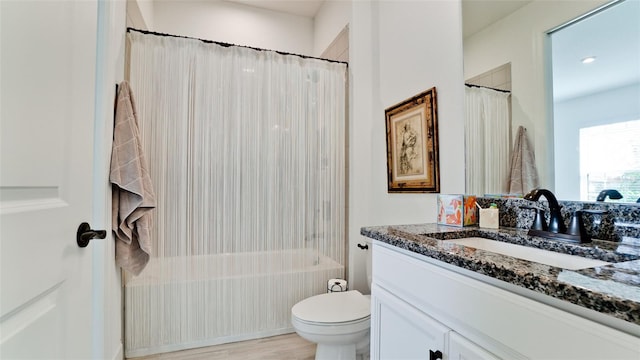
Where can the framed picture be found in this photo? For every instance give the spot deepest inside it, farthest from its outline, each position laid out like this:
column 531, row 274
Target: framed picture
column 412, row 145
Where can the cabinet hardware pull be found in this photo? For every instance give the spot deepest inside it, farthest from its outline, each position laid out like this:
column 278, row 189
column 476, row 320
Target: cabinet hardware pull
column 435, row 355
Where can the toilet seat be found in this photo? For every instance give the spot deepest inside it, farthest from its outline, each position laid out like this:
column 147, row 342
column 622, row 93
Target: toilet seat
column 332, row 329
column 333, row 308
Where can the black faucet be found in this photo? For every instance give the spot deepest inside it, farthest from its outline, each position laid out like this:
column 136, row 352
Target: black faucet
column 556, row 222
column 612, row 193
column 557, row 230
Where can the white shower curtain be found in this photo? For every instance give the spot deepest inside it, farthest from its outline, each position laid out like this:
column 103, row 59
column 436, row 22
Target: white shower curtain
column 247, row 154
column 487, row 140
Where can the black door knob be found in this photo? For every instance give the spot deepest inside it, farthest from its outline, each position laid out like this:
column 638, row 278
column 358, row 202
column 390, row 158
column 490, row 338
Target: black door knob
column 85, row 234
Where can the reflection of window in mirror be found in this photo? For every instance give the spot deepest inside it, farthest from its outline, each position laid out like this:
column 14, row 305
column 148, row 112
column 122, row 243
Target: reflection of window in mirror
column 601, row 164
column 596, row 107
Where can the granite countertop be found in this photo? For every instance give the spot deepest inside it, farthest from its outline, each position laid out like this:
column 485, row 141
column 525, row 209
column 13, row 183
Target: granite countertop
column 611, row 289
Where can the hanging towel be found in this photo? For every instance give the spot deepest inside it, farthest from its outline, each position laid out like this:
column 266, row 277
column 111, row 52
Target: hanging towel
column 132, row 191
column 523, row 175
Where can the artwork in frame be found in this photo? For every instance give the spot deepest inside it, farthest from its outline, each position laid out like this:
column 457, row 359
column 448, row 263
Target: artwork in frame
column 412, row 145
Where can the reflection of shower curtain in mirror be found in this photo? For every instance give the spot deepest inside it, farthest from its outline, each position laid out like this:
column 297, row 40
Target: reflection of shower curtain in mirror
column 487, row 140
column 247, row 153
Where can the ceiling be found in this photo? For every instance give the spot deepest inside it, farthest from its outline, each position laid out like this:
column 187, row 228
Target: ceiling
column 307, row 8
column 617, row 48
column 476, row 13
column 613, row 37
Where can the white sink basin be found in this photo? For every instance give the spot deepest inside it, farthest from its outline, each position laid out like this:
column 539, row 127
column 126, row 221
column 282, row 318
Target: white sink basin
column 570, row 262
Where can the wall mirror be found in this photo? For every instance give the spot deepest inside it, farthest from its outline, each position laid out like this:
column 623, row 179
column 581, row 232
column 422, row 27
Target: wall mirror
column 580, row 118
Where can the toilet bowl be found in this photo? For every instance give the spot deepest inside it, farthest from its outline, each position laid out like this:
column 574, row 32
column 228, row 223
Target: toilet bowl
column 338, row 322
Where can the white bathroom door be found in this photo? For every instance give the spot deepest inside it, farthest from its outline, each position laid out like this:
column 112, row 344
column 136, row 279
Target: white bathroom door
column 47, row 101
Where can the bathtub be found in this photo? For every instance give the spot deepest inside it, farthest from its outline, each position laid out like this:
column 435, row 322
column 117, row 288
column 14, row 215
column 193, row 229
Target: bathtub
column 186, row 302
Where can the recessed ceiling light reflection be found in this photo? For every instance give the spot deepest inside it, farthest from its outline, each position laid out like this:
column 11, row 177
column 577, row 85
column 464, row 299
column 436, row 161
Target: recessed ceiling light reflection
column 588, row 59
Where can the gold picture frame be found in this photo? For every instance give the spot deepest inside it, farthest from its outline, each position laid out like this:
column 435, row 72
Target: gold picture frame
column 412, row 145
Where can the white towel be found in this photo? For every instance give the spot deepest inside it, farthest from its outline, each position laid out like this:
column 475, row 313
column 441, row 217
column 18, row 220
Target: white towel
column 132, row 191
column 524, row 174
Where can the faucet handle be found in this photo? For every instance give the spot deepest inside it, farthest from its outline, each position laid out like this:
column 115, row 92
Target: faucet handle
column 538, row 222
column 576, row 225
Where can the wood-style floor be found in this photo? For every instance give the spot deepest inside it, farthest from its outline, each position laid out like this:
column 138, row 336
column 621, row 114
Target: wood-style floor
column 283, row 347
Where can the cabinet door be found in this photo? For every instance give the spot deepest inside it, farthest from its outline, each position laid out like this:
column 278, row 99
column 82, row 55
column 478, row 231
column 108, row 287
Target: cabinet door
column 462, row 349
column 400, row 331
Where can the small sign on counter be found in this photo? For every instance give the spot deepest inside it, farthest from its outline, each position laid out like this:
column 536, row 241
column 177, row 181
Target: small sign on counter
column 457, row 210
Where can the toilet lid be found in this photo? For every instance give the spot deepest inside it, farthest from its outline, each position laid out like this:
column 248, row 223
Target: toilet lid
column 333, row 307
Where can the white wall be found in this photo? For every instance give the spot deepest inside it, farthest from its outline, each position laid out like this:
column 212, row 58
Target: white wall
column 331, row 18
column 136, row 17
column 520, row 39
column 146, row 8
column 397, row 50
column 235, row 24
column 107, row 300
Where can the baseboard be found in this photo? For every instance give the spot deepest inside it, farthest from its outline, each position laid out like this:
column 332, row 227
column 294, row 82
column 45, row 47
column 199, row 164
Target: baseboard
column 210, row 342
column 118, row 353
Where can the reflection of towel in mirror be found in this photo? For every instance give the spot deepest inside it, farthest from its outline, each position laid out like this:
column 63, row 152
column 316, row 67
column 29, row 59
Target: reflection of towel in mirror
column 132, row 192
column 523, row 175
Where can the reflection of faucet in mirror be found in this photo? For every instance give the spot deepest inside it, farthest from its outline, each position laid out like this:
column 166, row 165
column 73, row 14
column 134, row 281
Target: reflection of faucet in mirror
column 612, row 193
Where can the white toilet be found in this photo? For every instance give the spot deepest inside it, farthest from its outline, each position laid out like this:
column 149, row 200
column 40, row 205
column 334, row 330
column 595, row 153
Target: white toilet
column 338, row 322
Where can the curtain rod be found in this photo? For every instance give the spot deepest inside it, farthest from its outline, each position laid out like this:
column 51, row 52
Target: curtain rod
column 129, row 29
column 486, row 87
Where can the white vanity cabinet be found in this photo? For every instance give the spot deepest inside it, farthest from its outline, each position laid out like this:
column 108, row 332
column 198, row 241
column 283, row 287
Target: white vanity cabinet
column 421, row 306
column 403, row 332
column 460, row 348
